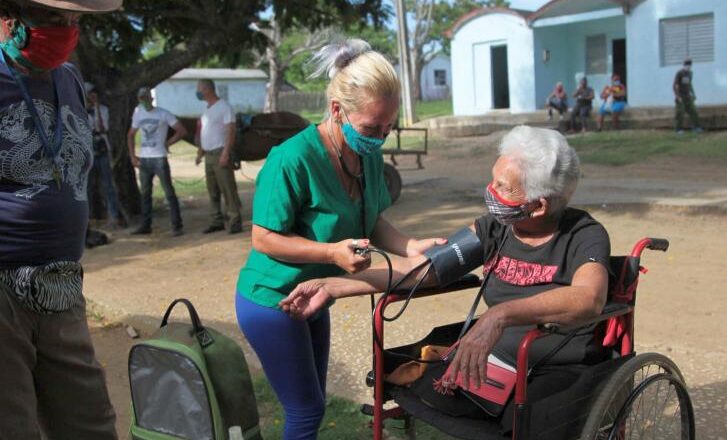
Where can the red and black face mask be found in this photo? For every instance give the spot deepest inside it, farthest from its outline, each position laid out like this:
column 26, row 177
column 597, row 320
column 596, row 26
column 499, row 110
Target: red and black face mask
column 40, row 48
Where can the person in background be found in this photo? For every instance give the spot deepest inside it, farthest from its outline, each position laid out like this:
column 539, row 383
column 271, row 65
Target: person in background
column 52, row 386
column 215, row 140
column 154, row 123
column 584, row 102
column 684, row 98
column 98, row 116
column 614, row 102
column 558, row 100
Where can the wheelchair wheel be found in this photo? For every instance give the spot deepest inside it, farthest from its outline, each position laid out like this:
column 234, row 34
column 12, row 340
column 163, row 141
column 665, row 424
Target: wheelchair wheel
column 393, row 181
column 645, row 398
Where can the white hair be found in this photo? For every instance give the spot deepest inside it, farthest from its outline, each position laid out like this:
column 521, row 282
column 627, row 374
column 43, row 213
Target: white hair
column 549, row 167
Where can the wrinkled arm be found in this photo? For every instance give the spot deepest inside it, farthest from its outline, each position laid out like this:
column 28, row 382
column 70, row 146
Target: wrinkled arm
column 569, row 305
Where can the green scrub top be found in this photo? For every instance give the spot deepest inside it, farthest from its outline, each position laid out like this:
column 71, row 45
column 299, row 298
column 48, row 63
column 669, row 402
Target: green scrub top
column 297, row 191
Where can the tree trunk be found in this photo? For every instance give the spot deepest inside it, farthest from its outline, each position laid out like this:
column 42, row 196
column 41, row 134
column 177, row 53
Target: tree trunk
column 274, row 84
column 416, row 72
column 120, row 110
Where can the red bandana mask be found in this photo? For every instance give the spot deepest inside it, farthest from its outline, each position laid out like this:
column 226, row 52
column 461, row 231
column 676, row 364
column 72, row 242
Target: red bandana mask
column 41, row 48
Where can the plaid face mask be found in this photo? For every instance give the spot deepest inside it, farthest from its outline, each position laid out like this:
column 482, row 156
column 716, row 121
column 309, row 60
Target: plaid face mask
column 504, row 211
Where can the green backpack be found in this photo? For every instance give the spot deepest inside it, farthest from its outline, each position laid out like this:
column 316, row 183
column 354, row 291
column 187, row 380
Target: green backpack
column 190, row 382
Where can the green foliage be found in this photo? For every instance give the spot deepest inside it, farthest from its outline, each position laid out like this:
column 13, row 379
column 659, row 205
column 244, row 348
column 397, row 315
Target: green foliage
column 631, row 146
column 144, row 30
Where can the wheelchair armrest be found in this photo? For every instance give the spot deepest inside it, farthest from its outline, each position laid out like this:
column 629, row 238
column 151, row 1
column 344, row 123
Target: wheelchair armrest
column 609, row 311
column 468, row 281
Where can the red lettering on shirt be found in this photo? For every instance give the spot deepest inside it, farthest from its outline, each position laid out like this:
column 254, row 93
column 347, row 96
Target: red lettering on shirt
column 521, row 273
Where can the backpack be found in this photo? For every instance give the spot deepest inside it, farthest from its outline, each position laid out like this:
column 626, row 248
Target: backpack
column 190, row 382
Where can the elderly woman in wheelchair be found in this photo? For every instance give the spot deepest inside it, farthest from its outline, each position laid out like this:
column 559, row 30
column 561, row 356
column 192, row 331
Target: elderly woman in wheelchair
column 543, row 262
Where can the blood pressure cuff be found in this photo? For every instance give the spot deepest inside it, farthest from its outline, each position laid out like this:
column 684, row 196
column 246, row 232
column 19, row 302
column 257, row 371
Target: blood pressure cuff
column 461, row 254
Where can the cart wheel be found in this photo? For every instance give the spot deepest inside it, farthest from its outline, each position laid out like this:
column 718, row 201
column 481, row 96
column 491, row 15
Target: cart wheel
column 645, row 398
column 393, row 181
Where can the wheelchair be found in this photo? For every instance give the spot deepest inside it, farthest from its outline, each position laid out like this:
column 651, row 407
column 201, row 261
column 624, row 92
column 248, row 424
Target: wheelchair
column 628, row 395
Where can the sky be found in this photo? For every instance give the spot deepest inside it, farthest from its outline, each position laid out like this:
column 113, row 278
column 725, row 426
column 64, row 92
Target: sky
column 528, row 5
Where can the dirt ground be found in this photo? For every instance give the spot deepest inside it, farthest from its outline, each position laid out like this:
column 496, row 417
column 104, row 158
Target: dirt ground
column 682, row 299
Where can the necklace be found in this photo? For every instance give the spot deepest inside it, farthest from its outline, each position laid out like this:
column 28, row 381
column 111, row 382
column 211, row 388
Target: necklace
column 346, row 170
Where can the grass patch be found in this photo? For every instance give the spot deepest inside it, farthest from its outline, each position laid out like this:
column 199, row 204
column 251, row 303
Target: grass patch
column 343, row 419
column 183, row 186
column 314, row 116
column 630, row 146
column 433, row 109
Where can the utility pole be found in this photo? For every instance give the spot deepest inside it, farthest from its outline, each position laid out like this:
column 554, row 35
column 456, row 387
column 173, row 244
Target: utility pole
column 404, row 67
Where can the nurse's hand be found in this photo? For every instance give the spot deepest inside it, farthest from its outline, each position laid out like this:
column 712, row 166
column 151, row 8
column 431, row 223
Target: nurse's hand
column 343, row 255
column 306, row 299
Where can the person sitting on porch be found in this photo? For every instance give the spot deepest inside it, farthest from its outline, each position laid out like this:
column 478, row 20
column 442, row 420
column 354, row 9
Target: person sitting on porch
column 558, row 99
column 582, row 110
column 614, row 101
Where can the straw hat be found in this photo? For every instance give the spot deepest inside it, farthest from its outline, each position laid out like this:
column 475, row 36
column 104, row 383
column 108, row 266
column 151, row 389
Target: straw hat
column 87, row 6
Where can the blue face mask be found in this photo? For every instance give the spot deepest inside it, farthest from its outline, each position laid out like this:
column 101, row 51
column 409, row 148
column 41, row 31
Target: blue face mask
column 360, row 144
column 199, row 95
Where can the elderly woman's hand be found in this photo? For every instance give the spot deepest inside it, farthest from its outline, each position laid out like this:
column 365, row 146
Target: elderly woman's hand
column 343, row 255
column 415, row 248
column 306, row 299
column 474, row 348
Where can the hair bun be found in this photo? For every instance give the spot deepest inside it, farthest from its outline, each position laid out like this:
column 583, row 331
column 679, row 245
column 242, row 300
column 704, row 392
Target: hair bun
column 336, row 56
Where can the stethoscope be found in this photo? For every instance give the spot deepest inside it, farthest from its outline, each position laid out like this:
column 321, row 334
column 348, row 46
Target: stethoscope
column 359, row 178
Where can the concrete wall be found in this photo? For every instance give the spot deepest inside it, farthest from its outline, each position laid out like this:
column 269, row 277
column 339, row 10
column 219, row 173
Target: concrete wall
column 430, row 91
column 567, row 46
column 649, row 82
column 178, row 96
column 471, row 70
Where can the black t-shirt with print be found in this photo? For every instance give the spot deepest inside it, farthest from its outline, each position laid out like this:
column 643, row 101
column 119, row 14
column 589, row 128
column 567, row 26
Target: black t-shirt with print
column 683, row 81
column 521, row 271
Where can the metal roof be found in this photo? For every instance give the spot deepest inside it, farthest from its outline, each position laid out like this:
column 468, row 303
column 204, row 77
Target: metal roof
column 558, row 8
column 219, row 74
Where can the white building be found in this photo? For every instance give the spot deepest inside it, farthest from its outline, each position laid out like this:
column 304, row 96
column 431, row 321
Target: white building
column 506, row 58
column 436, row 78
column 244, row 89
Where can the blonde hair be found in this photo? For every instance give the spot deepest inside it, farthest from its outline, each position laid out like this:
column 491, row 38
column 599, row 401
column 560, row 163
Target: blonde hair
column 357, row 73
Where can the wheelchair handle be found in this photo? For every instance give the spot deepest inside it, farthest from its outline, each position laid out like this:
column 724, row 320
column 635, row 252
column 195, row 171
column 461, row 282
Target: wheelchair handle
column 656, row 244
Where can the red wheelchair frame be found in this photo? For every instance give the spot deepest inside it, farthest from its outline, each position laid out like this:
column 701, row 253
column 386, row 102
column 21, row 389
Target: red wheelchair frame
column 620, row 306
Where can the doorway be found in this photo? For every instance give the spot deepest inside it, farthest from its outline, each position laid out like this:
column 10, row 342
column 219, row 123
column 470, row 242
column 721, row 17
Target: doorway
column 618, row 48
column 500, row 81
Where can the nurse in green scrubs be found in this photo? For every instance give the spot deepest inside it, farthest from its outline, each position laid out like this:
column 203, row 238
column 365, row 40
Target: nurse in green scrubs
column 319, row 196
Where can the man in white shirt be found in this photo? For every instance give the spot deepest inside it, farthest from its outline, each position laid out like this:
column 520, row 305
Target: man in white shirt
column 154, row 123
column 215, row 140
column 98, row 118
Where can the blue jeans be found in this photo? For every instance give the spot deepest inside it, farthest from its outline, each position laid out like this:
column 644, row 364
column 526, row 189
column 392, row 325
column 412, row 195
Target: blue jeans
column 294, row 355
column 157, row 166
column 102, row 165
